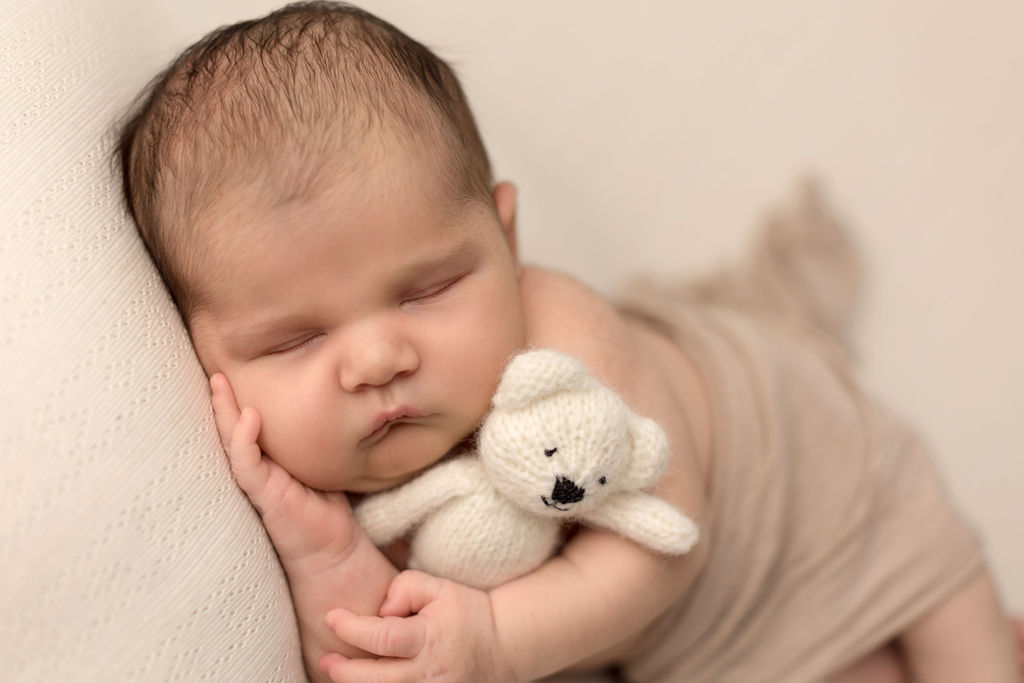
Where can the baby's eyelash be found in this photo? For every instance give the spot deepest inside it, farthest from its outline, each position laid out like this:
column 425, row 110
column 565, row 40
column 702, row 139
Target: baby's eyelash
column 297, row 344
column 431, row 292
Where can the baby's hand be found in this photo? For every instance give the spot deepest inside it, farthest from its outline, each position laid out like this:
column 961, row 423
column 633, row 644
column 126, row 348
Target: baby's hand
column 305, row 525
column 428, row 629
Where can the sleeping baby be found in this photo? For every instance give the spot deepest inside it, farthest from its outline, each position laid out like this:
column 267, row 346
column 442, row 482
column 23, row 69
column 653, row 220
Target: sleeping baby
column 314, row 190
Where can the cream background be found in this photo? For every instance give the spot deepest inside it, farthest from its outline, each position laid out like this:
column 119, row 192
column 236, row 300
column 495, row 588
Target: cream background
column 642, row 137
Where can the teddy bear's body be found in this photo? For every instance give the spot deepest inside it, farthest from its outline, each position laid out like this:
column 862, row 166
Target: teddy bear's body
column 477, row 537
column 558, row 446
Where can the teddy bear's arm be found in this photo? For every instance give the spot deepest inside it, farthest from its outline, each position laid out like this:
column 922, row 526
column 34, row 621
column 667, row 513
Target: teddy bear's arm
column 648, row 520
column 387, row 516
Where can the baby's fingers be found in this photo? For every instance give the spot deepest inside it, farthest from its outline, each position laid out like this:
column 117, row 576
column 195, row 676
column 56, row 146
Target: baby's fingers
column 410, row 592
column 341, row 669
column 380, row 636
column 225, row 408
column 247, row 464
column 238, row 431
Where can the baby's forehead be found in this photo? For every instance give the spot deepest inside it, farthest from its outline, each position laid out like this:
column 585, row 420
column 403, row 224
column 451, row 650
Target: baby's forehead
column 370, row 188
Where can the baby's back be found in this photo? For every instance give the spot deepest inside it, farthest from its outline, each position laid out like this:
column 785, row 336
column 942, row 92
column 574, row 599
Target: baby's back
column 830, row 531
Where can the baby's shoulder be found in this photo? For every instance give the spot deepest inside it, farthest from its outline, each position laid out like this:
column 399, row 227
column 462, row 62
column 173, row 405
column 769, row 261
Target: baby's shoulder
column 648, row 370
column 563, row 313
column 543, row 289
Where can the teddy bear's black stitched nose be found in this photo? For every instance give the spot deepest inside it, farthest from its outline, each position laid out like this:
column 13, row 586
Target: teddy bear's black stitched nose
column 566, row 491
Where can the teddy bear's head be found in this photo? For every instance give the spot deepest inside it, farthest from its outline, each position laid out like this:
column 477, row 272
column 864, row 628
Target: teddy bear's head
column 557, row 442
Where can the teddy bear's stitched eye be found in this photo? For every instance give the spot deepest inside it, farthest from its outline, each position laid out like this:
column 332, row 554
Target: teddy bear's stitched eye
column 550, row 451
column 602, row 481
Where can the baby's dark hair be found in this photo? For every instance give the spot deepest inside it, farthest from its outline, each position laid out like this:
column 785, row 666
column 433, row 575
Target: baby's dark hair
column 274, row 102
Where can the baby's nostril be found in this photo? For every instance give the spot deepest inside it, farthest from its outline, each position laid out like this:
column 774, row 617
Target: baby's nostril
column 566, row 491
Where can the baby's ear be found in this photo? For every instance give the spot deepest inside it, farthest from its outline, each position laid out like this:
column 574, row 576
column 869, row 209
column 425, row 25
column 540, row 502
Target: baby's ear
column 649, row 456
column 505, row 195
column 534, row 375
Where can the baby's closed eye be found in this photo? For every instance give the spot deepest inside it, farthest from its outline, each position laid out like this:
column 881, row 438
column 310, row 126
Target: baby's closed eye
column 294, row 344
column 432, row 291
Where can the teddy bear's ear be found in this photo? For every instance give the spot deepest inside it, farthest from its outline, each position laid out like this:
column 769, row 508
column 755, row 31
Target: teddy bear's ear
column 534, row 375
column 650, row 453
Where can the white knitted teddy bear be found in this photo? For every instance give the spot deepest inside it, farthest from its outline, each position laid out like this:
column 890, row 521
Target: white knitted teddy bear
column 557, row 446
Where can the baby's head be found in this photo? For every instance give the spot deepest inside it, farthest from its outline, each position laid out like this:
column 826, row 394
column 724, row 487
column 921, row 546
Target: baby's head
column 313, row 188
column 279, row 106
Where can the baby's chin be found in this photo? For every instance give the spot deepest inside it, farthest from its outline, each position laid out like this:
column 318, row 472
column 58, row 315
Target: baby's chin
column 357, row 489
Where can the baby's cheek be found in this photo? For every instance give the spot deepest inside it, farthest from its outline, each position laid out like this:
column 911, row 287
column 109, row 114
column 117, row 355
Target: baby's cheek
column 294, row 439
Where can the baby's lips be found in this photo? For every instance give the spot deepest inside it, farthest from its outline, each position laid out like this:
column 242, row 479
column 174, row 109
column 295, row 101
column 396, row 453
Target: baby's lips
column 382, row 422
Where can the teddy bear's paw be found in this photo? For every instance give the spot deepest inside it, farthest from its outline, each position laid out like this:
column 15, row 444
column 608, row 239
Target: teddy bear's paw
column 389, row 515
column 647, row 520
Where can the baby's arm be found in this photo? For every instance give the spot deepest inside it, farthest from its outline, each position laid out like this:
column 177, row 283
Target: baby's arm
column 328, row 559
column 579, row 608
column 582, row 605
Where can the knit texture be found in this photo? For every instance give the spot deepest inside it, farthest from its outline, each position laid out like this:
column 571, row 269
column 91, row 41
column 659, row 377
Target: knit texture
column 558, row 446
column 127, row 552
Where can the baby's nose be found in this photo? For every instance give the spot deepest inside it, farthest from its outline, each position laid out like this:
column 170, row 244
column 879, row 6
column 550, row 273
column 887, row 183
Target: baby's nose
column 566, row 491
column 375, row 359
